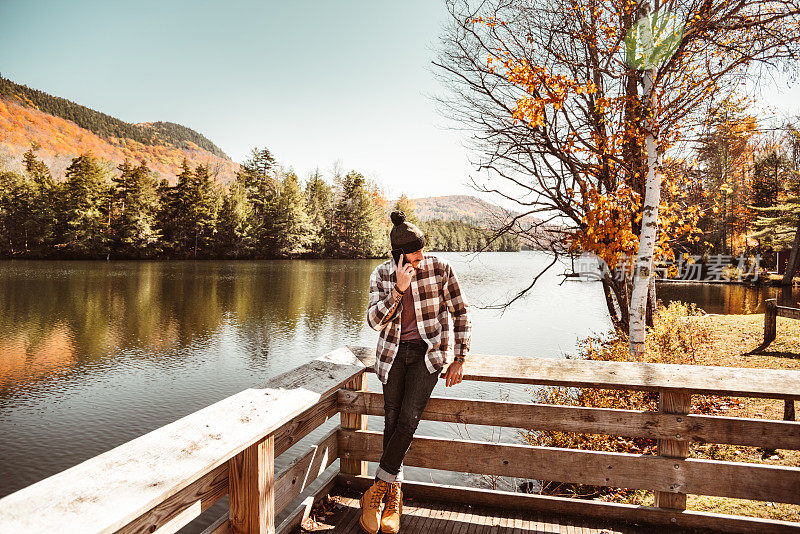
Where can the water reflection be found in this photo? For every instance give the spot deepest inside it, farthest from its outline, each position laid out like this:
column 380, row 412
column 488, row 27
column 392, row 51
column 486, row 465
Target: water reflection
column 94, row 354
column 69, row 314
column 727, row 298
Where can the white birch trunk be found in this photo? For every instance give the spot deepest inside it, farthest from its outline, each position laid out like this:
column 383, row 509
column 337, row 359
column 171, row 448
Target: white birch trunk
column 647, row 238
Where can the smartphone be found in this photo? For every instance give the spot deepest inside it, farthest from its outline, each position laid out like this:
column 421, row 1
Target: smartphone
column 396, row 253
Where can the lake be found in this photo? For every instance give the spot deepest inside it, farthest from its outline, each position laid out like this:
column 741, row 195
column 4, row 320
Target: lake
column 94, row 354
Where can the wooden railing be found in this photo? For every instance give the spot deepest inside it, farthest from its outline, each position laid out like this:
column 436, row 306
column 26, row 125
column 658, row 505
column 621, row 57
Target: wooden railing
column 671, row 474
column 771, row 313
column 163, row 480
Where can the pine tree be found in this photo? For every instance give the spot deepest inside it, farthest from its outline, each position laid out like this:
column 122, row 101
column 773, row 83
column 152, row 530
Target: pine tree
column 87, row 193
column 293, row 228
column 320, row 205
column 15, row 207
column 40, row 221
column 174, row 214
column 136, row 204
column 188, row 218
column 405, row 205
column 359, row 230
column 724, row 152
column 203, row 202
column 36, row 169
column 234, row 233
column 258, row 177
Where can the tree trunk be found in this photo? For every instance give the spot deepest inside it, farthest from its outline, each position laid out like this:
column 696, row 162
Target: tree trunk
column 647, row 236
column 794, row 259
column 616, row 302
column 651, row 302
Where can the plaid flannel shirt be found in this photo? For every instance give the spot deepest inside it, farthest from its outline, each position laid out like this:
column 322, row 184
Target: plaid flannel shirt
column 436, row 293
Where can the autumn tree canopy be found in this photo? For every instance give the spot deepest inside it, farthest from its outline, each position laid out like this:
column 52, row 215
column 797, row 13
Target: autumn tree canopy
column 557, row 116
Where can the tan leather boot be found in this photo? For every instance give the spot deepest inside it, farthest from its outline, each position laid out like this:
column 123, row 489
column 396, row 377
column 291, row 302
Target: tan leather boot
column 390, row 520
column 371, row 506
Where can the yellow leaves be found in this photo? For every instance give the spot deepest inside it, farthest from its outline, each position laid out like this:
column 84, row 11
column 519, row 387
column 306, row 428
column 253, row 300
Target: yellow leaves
column 545, row 90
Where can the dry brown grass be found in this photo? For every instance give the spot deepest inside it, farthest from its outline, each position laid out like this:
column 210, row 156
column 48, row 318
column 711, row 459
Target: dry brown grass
column 682, row 335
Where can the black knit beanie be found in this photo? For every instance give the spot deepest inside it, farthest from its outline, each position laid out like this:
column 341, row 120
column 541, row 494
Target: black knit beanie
column 404, row 235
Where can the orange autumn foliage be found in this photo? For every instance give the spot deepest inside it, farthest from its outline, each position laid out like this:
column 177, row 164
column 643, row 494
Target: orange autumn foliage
column 602, row 191
column 20, row 126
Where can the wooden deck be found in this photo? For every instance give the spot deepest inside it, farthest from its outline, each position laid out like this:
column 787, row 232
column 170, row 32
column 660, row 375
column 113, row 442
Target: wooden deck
column 429, row 517
column 163, row 480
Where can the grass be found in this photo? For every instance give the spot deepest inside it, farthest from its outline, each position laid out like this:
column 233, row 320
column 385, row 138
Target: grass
column 684, row 335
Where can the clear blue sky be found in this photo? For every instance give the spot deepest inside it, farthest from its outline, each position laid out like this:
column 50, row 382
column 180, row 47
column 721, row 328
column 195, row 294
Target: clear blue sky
column 313, row 81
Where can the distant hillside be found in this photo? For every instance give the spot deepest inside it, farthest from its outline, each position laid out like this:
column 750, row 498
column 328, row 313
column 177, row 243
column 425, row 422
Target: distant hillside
column 476, row 211
column 454, row 208
column 65, row 129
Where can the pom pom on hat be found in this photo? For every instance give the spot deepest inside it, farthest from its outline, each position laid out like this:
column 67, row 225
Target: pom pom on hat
column 398, row 217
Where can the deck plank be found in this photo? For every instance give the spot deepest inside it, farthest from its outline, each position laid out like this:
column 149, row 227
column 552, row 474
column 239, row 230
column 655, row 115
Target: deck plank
column 466, row 518
column 424, row 516
column 456, row 519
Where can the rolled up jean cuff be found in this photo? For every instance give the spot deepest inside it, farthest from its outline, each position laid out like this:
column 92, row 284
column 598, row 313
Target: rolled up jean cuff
column 387, row 476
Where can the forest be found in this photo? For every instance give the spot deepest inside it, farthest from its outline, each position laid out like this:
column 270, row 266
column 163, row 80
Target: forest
column 99, row 212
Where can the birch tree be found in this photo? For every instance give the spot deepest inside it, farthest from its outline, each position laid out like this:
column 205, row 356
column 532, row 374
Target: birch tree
column 559, row 119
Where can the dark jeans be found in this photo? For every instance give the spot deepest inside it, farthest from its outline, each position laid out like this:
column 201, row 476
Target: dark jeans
column 405, row 395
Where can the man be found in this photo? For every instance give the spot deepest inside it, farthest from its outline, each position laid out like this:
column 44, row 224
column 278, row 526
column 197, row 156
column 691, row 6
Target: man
column 409, row 302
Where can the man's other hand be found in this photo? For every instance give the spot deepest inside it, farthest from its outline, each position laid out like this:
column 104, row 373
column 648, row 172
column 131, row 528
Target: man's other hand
column 454, row 374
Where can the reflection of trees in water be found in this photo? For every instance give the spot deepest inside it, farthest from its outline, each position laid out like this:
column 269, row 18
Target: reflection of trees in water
column 99, row 308
column 23, row 361
column 725, row 298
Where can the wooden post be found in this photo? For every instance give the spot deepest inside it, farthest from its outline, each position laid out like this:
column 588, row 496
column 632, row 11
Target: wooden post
column 678, row 404
column 788, row 410
column 251, row 488
column 354, row 421
column 770, row 320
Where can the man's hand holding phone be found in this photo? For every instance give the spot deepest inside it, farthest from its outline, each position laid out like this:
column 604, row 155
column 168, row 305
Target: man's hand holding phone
column 404, row 272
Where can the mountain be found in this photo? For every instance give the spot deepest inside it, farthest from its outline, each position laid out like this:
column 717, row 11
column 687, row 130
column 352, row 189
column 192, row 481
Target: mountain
column 479, row 212
column 464, row 208
column 64, row 129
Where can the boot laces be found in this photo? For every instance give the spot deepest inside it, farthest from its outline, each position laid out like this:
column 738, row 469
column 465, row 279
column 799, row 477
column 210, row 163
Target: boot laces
column 393, row 501
column 376, row 497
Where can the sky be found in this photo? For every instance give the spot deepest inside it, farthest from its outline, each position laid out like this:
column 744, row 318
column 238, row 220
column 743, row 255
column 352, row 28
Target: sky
column 316, row 82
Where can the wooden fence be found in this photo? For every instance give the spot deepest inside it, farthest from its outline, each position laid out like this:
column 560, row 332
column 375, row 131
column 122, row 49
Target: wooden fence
column 162, row 480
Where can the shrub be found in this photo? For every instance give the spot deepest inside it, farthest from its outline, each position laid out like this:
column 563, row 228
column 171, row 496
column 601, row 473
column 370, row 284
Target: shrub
column 675, row 338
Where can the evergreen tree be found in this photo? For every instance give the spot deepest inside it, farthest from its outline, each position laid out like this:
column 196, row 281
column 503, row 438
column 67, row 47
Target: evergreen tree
column 15, row 207
column 87, row 193
column 234, row 233
column 257, row 176
column 165, row 222
column 36, row 169
column 358, row 228
column 724, row 152
column 189, row 218
column 767, row 179
column 293, row 228
column 458, row 236
column 320, row 205
column 136, row 203
column 202, row 203
column 405, row 205
column 42, row 203
column 174, row 213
